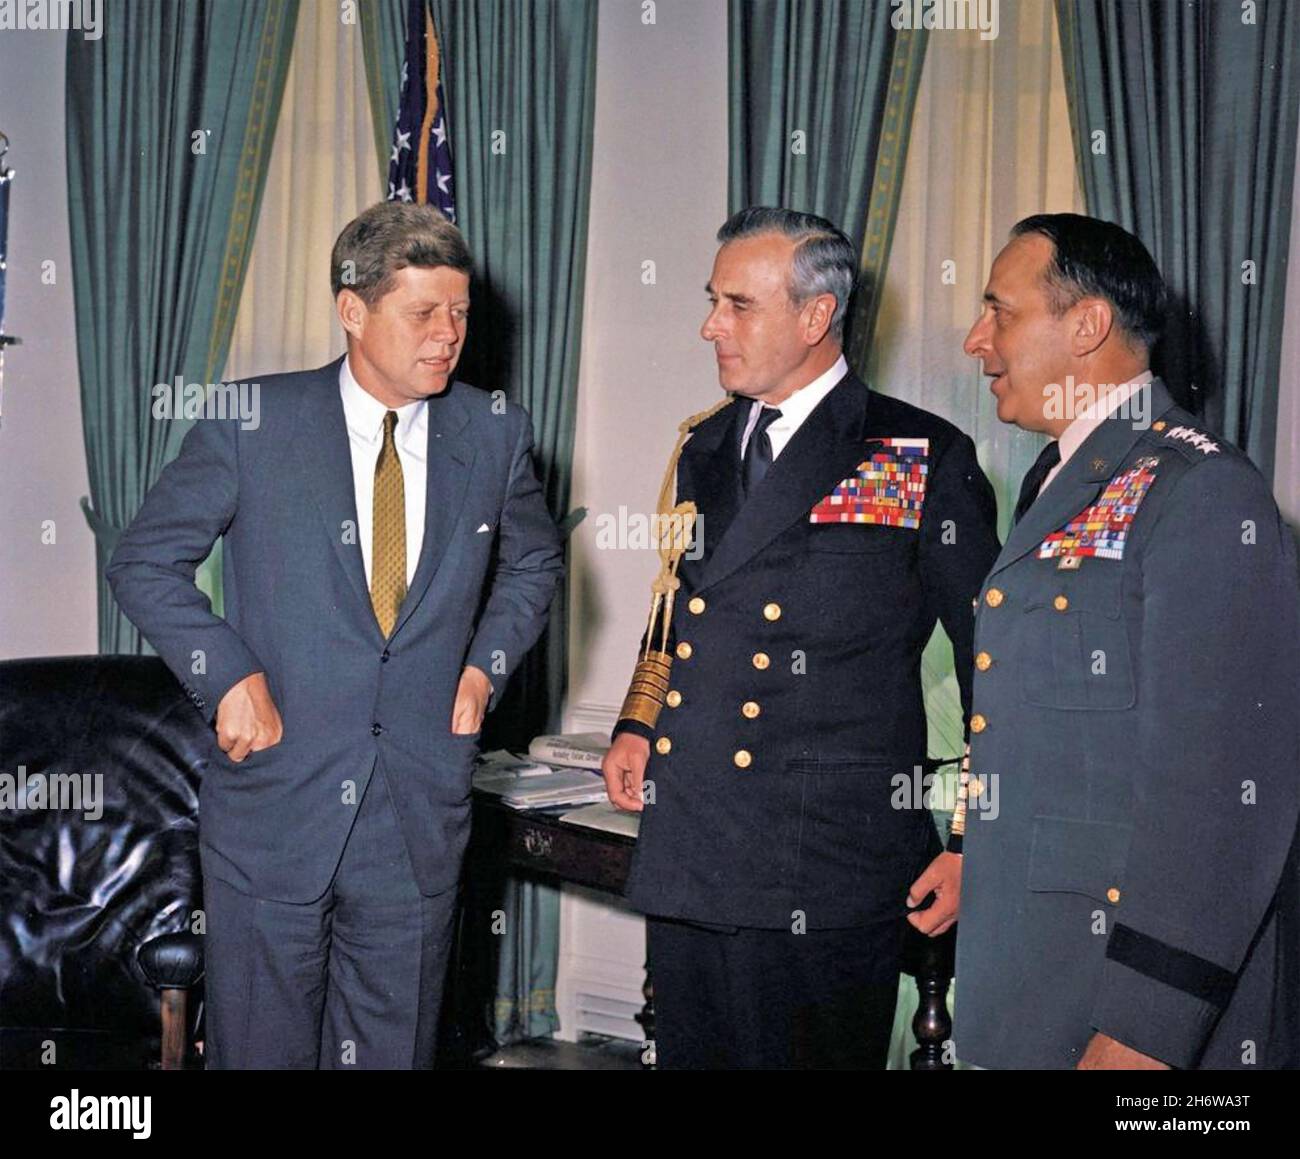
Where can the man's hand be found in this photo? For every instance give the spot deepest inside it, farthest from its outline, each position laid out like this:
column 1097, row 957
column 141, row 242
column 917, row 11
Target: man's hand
column 1105, row 1053
column 472, row 696
column 624, row 770
column 247, row 719
column 943, row 876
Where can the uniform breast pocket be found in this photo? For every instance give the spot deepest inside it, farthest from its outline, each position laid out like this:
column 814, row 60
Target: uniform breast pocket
column 1074, row 646
column 1084, row 857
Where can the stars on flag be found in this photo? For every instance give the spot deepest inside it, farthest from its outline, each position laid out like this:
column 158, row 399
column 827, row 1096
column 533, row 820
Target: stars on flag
column 420, row 165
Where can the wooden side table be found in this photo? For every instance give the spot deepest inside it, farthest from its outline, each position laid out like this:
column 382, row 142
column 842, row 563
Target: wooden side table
column 509, row 843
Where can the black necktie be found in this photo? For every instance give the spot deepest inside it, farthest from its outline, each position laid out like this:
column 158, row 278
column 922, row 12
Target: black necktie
column 1048, row 457
column 758, row 451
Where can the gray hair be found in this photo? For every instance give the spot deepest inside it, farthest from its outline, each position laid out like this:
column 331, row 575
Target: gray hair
column 388, row 237
column 825, row 261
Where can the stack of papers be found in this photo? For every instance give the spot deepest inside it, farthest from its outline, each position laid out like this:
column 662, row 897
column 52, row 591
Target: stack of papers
column 526, row 784
column 606, row 817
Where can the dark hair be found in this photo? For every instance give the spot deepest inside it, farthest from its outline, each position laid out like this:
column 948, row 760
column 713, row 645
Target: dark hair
column 825, row 261
column 387, row 237
column 1094, row 258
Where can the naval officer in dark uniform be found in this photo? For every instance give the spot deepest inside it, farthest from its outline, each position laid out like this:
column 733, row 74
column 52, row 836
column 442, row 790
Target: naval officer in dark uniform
column 776, row 726
column 1134, row 903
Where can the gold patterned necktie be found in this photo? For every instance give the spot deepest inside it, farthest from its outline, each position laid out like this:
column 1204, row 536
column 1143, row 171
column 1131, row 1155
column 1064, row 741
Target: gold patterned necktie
column 388, row 558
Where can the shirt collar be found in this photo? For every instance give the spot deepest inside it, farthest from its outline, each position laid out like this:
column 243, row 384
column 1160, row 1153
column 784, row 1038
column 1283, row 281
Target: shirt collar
column 804, row 401
column 1073, row 437
column 364, row 413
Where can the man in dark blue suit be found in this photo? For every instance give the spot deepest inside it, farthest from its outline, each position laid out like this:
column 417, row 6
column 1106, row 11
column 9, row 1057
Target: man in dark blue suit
column 1134, row 899
column 388, row 561
column 836, row 527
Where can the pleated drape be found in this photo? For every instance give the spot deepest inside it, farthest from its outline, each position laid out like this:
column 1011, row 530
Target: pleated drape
column 1185, row 133
column 170, row 120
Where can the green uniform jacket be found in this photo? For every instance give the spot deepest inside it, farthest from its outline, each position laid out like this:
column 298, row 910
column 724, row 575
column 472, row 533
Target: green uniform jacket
column 1130, row 859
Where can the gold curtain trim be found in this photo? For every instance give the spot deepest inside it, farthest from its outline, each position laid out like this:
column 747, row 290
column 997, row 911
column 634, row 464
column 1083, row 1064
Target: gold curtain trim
column 886, row 189
column 259, row 133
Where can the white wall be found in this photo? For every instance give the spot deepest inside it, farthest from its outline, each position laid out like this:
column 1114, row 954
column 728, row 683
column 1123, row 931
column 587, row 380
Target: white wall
column 47, row 590
column 658, row 193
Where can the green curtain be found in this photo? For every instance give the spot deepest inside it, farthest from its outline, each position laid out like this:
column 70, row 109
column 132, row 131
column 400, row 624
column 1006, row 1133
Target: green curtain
column 821, row 100
column 170, row 120
column 1184, row 120
column 383, row 39
column 519, row 80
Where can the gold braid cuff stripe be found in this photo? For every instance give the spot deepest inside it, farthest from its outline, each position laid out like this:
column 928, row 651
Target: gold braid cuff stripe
column 649, row 687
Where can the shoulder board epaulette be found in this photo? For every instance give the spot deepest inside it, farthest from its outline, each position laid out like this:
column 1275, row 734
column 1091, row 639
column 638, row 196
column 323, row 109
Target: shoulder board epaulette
column 688, row 425
column 1188, row 436
column 684, row 428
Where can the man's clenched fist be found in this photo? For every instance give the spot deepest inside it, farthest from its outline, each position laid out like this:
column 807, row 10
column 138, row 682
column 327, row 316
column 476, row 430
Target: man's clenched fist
column 247, row 719
column 624, row 770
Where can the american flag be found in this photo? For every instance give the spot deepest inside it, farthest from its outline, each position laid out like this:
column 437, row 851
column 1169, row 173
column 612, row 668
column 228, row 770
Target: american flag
column 419, row 169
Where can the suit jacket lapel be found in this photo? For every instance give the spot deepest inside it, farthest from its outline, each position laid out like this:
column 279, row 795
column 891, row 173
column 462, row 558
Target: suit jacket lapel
column 1080, row 481
column 822, row 452
column 449, row 459
column 325, row 458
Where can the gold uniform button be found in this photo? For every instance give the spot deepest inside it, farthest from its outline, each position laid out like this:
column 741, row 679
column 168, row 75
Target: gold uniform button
column 1159, row 426
column 663, row 746
column 673, row 699
column 761, row 660
column 684, row 651
column 983, row 661
column 993, row 597
column 978, row 723
column 750, row 709
column 1112, row 895
column 1060, row 603
column 696, row 605
column 743, row 759
column 772, row 611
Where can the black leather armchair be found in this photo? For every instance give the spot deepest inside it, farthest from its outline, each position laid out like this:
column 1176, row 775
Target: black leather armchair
column 100, row 893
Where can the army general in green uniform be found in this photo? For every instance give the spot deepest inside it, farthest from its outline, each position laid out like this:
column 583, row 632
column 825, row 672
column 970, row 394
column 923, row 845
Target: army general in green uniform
column 1134, row 902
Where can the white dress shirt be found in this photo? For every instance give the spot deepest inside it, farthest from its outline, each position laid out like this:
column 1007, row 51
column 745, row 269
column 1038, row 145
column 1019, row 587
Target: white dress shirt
column 795, row 409
column 364, row 415
column 1073, row 437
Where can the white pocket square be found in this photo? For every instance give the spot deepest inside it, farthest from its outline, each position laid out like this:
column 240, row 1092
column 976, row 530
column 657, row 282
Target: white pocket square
column 484, row 527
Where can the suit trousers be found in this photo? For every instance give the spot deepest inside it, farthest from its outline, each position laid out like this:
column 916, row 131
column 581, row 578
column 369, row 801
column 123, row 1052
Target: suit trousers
column 350, row 981
column 739, row 998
